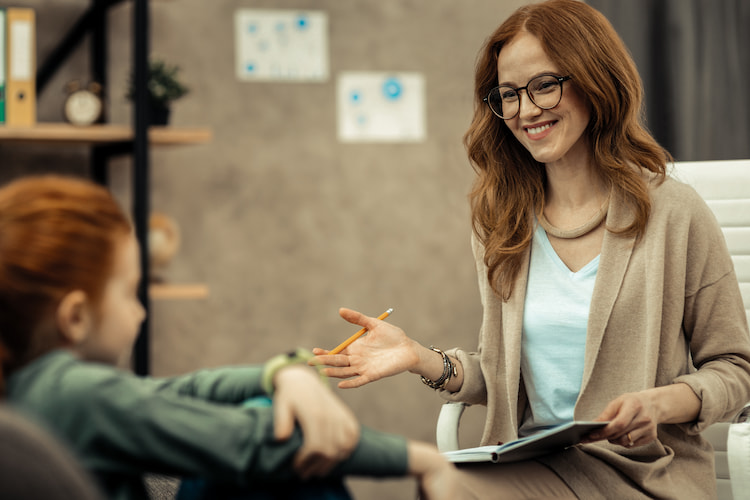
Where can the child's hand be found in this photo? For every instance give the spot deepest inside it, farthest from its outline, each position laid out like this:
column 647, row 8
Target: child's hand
column 437, row 478
column 329, row 428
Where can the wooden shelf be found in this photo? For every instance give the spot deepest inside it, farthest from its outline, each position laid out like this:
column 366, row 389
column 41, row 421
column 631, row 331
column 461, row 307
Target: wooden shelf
column 64, row 133
column 161, row 291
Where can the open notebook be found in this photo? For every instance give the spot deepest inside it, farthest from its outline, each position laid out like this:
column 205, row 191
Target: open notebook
column 547, row 441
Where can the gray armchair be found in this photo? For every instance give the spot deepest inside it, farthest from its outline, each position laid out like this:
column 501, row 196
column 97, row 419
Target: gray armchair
column 35, row 465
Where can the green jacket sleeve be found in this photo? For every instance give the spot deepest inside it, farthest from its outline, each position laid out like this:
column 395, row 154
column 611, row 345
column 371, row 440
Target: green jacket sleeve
column 224, row 385
column 120, row 424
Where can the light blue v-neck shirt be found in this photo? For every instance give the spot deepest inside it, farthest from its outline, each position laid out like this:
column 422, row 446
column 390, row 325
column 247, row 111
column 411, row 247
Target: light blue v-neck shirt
column 555, row 318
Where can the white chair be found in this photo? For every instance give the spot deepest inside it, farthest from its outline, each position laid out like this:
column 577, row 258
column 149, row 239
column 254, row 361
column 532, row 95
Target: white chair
column 738, row 451
column 725, row 185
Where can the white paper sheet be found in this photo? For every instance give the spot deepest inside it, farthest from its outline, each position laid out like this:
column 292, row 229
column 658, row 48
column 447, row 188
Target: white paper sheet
column 281, row 45
column 381, row 107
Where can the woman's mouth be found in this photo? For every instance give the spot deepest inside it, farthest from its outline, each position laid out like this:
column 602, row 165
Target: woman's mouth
column 539, row 131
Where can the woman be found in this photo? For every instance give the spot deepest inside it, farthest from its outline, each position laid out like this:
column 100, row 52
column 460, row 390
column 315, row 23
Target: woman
column 607, row 288
column 69, row 314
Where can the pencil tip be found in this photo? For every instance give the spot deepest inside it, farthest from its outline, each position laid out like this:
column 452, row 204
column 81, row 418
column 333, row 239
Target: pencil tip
column 390, row 310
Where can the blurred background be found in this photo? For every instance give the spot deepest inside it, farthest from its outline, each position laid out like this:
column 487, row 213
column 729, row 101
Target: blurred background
column 284, row 222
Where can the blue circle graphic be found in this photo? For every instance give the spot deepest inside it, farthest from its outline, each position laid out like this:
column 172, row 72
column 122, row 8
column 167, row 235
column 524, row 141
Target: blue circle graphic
column 392, row 88
column 303, row 22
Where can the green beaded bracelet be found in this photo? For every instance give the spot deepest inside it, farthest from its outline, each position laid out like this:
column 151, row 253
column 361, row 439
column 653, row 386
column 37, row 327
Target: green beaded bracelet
column 273, row 365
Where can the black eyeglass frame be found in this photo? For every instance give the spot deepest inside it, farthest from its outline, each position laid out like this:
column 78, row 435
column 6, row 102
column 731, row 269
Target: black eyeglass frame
column 560, row 80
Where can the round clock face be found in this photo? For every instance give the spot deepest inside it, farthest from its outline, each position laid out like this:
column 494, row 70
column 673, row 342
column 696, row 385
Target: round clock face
column 83, row 107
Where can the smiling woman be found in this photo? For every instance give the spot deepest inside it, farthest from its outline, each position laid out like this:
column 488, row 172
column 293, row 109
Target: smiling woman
column 599, row 105
column 608, row 293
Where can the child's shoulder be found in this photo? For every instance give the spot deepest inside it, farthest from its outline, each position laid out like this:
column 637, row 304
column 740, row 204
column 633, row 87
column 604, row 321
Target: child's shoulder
column 59, row 377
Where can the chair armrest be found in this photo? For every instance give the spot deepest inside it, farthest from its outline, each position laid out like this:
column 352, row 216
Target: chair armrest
column 447, row 426
column 738, row 458
column 743, row 415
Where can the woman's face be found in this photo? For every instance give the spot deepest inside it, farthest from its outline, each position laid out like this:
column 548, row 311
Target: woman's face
column 554, row 135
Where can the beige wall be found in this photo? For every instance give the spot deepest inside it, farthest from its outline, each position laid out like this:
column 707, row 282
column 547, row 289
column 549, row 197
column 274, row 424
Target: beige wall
column 284, row 223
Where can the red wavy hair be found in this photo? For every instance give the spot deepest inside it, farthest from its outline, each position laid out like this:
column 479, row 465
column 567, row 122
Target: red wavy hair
column 57, row 234
column 510, row 184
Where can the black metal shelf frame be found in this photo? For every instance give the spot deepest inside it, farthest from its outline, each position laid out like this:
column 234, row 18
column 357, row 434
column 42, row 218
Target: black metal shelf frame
column 93, row 22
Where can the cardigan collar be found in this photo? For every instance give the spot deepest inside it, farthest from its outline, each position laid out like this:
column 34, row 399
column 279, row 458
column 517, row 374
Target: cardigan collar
column 614, row 258
column 613, row 262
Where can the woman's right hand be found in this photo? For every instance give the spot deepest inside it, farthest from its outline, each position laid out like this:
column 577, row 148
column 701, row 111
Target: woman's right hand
column 383, row 351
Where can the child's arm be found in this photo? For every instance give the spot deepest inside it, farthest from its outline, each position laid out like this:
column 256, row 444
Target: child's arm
column 437, row 478
column 231, row 384
column 120, row 424
column 329, row 427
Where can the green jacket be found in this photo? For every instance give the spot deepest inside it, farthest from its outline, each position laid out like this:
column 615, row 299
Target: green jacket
column 122, row 426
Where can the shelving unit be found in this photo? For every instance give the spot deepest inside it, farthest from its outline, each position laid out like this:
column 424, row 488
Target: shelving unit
column 160, row 291
column 65, row 134
column 108, row 140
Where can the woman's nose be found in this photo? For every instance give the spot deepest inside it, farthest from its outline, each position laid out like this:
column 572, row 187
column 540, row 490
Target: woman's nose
column 527, row 106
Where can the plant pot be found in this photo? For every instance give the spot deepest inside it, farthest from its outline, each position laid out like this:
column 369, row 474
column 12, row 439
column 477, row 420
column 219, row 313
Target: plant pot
column 160, row 115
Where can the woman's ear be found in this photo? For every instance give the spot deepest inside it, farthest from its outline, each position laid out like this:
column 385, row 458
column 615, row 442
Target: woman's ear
column 73, row 317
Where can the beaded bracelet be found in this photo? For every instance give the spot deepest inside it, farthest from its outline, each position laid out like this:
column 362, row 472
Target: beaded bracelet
column 273, row 365
column 449, row 370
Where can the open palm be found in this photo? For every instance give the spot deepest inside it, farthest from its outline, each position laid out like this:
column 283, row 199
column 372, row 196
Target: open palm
column 384, row 351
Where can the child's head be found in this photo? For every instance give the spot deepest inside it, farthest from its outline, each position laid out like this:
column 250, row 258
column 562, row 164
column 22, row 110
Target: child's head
column 69, row 270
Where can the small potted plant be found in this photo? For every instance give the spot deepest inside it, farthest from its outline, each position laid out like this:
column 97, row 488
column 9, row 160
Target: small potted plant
column 163, row 87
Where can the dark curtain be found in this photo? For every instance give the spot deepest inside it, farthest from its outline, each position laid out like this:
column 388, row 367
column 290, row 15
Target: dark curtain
column 694, row 59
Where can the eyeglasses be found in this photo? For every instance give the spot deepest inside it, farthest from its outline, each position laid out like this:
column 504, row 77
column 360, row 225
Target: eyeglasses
column 545, row 91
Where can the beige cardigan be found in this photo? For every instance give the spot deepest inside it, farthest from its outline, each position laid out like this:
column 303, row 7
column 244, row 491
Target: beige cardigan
column 656, row 300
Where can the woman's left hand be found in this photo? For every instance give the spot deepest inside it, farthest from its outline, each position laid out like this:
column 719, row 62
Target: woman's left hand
column 632, row 421
column 633, row 417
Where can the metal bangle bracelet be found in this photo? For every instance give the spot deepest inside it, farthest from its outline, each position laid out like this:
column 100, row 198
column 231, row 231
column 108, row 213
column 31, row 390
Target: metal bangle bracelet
column 449, row 370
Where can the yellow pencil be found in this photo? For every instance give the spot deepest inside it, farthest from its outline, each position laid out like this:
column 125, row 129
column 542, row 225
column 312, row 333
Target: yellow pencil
column 357, row 335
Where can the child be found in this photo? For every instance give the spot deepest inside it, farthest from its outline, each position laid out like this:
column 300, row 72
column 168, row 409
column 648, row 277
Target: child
column 69, row 313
